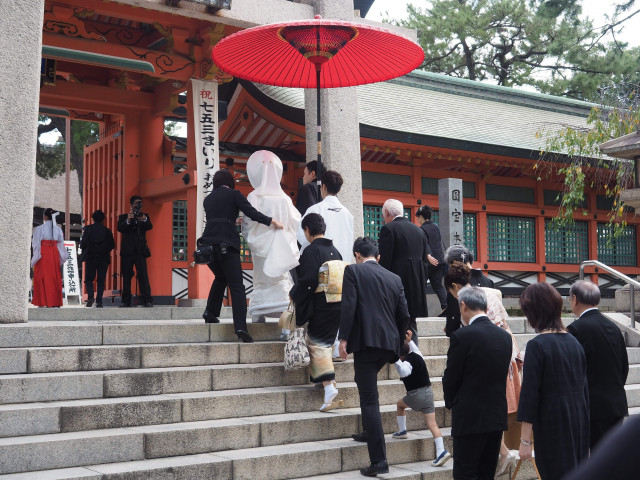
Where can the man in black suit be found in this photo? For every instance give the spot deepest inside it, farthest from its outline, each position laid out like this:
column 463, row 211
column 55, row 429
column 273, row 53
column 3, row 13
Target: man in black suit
column 222, row 207
column 134, row 251
column 308, row 194
column 96, row 244
column 373, row 320
column 436, row 267
column 607, row 361
column 474, row 385
column 403, row 251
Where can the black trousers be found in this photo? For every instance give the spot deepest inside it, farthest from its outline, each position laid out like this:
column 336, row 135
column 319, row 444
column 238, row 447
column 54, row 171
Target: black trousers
column 435, row 275
column 366, row 364
column 93, row 268
column 476, row 456
column 127, row 262
column 599, row 427
column 228, row 271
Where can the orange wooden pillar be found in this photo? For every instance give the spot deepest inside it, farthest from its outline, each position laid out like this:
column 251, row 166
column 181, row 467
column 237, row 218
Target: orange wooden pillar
column 482, row 246
column 200, row 277
column 151, row 162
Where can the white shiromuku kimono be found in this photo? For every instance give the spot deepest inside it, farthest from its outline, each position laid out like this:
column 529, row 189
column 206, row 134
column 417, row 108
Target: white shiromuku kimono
column 339, row 223
column 274, row 252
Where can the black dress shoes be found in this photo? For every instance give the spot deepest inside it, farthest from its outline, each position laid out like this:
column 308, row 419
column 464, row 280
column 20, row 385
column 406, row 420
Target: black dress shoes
column 89, row 302
column 375, row 468
column 208, row 318
column 125, row 305
column 98, row 304
column 148, row 304
column 244, row 336
column 360, row 437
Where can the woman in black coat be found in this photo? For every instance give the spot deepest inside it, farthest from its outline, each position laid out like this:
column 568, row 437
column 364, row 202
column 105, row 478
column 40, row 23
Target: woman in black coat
column 323, row 317
column 222, row 207
column 554, row 400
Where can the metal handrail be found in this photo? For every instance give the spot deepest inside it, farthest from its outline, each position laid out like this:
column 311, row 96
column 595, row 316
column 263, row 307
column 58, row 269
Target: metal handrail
column 630, row 281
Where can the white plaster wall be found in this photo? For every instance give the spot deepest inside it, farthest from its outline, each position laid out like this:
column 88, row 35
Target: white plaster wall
column 20, row 44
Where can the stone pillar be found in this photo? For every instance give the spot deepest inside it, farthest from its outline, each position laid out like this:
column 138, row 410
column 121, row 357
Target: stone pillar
column 340, row 126
column 20, row 44
column 451, row 220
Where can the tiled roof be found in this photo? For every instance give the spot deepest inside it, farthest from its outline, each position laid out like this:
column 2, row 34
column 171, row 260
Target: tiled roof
column 426, row 104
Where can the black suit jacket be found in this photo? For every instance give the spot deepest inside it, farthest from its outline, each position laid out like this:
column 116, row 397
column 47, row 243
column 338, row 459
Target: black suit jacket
column 475, row 380
column 96, row 243
column 374, row 310
column 434, row 240
column 607, row 363
column 403, row 251
column 134, row 236
column 478, row 279
column 222, row 207
column 307, row 195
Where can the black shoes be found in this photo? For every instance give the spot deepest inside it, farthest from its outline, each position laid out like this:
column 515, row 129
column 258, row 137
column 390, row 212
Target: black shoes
column 244, row 336
column 360, row 437
column 148, row 304
column 125, row 305
column 89, row 302
column 208, row 318
column 375, row 468
column 98, row 304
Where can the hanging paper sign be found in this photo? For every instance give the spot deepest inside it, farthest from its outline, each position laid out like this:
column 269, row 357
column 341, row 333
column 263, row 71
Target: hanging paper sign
column 205, row 117
column 72, row 284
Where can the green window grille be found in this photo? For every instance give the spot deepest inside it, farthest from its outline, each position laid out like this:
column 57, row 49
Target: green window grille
column 179, row 245
column 373, row 220
column 566, row 244
column 245, row 253
column 506, row 193
column 386, row 181
column 619, row 251
column 470, row 232
column 511, row 239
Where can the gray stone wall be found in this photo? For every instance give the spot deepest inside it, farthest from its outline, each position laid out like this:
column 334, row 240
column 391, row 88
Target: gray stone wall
column 20, row 44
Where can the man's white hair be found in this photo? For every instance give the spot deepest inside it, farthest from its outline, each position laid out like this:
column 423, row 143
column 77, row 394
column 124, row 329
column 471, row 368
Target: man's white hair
column 393, row 207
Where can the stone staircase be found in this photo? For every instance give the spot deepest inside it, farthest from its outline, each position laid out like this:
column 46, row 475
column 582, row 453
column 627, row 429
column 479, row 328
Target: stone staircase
column 179, row 399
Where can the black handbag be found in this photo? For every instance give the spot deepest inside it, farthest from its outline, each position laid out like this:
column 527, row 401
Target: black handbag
column 203, row 254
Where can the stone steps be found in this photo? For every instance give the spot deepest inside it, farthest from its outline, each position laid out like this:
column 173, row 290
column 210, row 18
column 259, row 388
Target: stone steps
column 293, row 460
column 148, row 398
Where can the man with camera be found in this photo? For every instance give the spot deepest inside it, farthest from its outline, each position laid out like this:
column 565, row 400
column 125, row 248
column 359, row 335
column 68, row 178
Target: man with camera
column 134, row 251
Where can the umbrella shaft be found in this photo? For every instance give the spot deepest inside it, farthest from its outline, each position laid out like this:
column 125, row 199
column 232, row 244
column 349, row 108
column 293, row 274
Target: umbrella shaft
column 319, row 128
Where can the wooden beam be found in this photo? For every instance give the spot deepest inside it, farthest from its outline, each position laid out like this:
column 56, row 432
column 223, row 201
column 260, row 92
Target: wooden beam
column 120, row 57
column 95, row 98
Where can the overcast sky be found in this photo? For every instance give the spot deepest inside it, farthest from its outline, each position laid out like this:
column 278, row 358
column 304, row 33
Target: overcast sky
column 594, row 9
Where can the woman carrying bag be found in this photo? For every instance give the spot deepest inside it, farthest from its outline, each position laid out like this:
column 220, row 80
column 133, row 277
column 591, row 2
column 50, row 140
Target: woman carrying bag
column 311, row 306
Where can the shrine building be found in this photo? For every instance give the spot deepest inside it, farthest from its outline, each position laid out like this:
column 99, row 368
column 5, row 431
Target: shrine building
column 127, row 65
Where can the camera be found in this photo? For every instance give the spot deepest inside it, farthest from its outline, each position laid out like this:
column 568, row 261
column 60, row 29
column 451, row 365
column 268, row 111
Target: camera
column 137, row 210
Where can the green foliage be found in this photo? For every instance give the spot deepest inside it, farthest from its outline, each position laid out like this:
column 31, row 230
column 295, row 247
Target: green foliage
column 170, row 127
column 547, row 44
column 573, row 153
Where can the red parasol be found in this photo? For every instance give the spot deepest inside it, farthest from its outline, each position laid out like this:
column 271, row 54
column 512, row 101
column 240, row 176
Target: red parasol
column 317, row 54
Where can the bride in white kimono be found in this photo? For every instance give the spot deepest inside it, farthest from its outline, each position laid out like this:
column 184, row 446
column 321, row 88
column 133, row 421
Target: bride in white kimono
column 274, row 252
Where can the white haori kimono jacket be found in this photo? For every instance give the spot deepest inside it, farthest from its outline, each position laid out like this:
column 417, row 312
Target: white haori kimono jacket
column 274, row 252
column 339, row 223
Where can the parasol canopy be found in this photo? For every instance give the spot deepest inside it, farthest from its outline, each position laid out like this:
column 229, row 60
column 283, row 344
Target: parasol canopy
column 292, row 54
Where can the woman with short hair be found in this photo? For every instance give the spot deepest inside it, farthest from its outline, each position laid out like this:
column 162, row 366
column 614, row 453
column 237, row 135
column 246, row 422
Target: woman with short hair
column 554, row 401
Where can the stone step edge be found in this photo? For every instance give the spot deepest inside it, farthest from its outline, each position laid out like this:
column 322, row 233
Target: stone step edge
column 203, row 424
column 174, row 465
column 247, row 453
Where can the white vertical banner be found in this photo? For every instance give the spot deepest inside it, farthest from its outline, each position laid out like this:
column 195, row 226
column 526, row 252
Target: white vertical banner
column 205, row 119
column 72, row 286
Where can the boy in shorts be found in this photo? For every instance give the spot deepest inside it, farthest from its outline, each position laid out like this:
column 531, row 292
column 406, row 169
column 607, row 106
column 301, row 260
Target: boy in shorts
column 413, row 373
